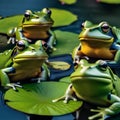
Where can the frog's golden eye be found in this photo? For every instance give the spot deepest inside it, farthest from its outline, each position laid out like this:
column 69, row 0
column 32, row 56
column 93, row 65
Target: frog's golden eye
column 105, row 27
column 20, row 45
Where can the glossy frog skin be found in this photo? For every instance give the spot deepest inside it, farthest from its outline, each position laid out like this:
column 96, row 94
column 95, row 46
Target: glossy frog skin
column 96, row 84
column 98, row 41
column 35, row 26
column 24, row 62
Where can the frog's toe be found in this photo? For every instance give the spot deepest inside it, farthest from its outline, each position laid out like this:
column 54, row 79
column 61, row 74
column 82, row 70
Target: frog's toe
column 65, row 101
column 96, row 116
column 54, row 100
column 99, row 114
column 74, row 99
column 58, row 99
column 16, row 85
column 13, row 85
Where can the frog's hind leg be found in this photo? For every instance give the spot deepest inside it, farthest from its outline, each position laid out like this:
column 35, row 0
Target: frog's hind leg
column 5, row 81
column 58, row 99
column 68, row 95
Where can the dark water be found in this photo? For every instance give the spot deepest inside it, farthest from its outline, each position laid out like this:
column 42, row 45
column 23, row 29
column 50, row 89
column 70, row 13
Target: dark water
column 85, row 9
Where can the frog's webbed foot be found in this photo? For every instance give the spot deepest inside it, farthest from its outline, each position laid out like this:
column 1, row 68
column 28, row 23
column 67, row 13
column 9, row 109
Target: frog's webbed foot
column 68, row 95
column 13, row 85
column 100, row 114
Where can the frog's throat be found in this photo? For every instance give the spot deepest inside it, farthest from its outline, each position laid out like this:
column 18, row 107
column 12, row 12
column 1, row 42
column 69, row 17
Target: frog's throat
column 96, row 39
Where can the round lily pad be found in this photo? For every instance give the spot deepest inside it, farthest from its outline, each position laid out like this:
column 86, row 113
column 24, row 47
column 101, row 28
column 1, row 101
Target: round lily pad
column 36, row 98
column 66, row 42
column 10, row 22
column 62, row 17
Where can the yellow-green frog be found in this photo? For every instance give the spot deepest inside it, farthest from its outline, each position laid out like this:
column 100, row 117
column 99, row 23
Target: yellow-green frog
column 96, row 84
column 35, row 26
column 22, row 63
column 98, row 41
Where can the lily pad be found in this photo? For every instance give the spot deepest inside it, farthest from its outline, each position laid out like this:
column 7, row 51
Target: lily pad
column 10, row 22
column 65, row 79
column 37, row 99
column 62, row 17
column 110, row 1
column 68, row 1
column 66, row 42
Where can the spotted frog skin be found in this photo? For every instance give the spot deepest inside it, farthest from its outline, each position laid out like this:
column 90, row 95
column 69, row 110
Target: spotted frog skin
column 35, row 26
column 96, row 84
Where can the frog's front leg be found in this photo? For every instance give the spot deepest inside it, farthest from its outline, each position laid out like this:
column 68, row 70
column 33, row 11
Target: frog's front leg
column 5, row 81
column 51, row 41
column 113, row 109
column 68, row 95
column 44, row 75
column 11, row 34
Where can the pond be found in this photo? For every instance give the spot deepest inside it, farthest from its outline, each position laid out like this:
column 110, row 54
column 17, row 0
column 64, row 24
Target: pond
column 85, row 9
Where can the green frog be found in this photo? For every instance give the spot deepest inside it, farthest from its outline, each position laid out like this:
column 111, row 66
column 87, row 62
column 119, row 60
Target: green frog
column 35, row 26
column 21, row 63
column 97, row 84
column 98, row 41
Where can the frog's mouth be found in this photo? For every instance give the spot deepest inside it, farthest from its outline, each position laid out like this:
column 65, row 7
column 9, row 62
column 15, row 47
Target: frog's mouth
column 37, row 25
column 87, row 79
column 107, row 40
column 29, row 58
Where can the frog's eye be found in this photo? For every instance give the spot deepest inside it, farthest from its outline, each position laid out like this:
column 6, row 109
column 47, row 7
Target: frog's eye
column 82, row 25
column 102, row 65
column 47, row 11
column 20, row 45
column 27, row 14
column 105, row 27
